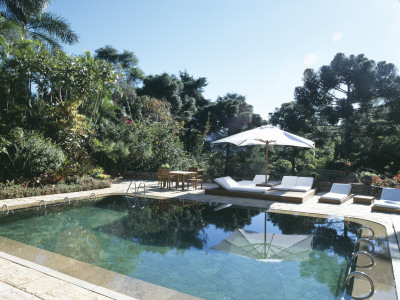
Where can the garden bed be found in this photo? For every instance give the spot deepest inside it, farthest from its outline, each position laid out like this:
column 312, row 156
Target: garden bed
column 9, row 190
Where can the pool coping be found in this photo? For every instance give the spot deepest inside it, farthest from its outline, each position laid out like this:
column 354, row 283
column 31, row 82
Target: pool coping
column 99, row 290
column 359, row 211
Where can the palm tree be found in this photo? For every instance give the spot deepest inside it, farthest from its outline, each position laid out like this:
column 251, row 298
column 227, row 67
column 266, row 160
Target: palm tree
column 37, row 23
column 8, row 29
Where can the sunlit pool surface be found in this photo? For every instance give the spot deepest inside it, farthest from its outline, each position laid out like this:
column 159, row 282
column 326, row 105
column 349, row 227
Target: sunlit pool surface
column 232, row 253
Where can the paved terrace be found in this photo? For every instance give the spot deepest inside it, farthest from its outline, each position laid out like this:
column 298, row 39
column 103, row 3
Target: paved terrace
column 21, row 278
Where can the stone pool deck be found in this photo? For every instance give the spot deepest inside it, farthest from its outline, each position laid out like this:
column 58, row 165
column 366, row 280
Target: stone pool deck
column 22, row 279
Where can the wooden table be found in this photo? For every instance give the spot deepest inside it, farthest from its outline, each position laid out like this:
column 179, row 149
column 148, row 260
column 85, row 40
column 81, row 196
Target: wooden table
column 183, row 175
column 363, row 199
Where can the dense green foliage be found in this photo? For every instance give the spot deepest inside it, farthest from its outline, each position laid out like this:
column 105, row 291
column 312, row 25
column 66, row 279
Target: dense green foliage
column 36, row 23
column 350, row 108
column 64, row 115
column 27, row 154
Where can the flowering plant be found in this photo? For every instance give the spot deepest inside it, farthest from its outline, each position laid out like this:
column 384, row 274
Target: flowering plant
column 387, row 182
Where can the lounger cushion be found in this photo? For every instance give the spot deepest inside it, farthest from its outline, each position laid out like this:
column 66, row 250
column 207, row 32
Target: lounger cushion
column 257, row 189
column 300, row 188
column 289, row 181
column 390, row 194
column 231, row 185
column 230, row 181
column 260, row 179
column 303, row 184
column 341, row 188
column 222, row 181
column 256, row 180
column 305, row 181
column 282, row 187
column 334, row 196
column 246, row 183
column 387, row 204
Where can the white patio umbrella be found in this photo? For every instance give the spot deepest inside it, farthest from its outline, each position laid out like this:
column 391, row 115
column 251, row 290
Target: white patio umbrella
column 267, row 247
column 267, row 135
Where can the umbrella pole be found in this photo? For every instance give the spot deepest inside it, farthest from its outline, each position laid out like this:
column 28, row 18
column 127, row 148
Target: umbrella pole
column 266, row 161
column 265, row 226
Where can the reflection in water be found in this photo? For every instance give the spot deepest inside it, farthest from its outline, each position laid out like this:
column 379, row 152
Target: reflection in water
column 79, row 244
column 267, row 247
column 192, row 243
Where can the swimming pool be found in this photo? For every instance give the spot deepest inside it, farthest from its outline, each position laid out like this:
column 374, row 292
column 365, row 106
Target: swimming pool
column 232, row 253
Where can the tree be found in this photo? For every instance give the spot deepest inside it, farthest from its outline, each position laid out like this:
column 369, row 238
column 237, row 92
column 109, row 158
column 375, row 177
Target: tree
column 229, row 115
column 8, row 30
column 194, row 88
column 164, row 87
column 353, row 102
column 37, row 23
column 126, row 61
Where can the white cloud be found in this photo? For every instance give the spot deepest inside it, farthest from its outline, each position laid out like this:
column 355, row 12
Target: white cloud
column 337, row 36
column 310, row 59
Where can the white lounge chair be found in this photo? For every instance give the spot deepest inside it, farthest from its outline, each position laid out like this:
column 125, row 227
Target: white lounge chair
column 256, row 180
column 389, row 202
column 338, row 194
column 287, row 183
column 303, row 184
column 229, row 184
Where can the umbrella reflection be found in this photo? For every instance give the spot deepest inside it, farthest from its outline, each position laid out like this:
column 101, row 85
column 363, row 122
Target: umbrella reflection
column 267, row 247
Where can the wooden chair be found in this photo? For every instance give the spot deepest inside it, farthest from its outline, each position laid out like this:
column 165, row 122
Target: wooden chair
column 159, row 176
column 197, row 178
column 200, row 176
column 166, row 178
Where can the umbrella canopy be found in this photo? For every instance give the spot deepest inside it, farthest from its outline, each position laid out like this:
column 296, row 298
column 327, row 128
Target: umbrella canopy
column 267, row 246
column 267, row 135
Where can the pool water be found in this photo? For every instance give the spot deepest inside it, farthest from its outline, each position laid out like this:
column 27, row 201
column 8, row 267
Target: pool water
column 232, row 253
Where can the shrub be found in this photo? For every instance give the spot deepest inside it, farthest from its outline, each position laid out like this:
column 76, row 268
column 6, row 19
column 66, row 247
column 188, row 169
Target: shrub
column 98, row 173
column 367, row 177
column 281, row 166
column 11, row 190
column 27, row 154
column 386, row 182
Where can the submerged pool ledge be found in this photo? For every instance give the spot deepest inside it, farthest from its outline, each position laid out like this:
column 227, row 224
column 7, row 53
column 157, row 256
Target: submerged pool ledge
column 99, row 281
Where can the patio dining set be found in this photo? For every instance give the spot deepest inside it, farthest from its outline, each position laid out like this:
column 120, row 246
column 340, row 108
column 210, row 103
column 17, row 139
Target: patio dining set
column 167, row 177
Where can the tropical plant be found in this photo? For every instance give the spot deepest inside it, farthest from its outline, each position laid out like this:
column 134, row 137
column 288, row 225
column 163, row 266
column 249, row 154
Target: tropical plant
column 37, row 23
column 8, row 31
column 27, row 154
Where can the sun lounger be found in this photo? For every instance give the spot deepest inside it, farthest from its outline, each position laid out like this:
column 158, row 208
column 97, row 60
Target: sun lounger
column 256, row 180
column 338, row 194
column 303, row 184
column 389, row 202
column 287, row 183
column 229, row 184
column 229, row 189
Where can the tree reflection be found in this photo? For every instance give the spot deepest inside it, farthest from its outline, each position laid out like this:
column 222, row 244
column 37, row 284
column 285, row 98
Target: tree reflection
column 173, row 224
column 230, row 218
column 333, row 246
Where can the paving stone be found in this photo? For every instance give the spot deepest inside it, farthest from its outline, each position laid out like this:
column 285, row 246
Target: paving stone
column 16, row 275
column 4, row 286
column 42, row 285
column 67, row 292
column 14, row 293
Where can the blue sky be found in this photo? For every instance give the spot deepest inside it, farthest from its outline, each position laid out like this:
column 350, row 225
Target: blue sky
column 256, row 48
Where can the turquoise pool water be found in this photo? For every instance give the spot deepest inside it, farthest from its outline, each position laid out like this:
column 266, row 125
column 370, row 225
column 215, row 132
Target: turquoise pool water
column 233, row 253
